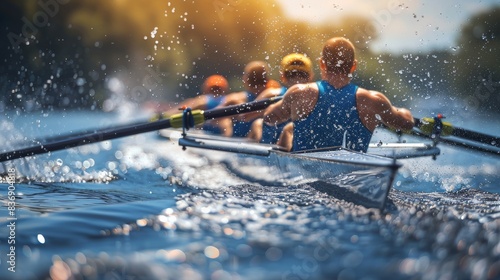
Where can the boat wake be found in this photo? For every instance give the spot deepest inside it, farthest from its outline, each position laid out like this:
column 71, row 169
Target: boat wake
column 298, row 226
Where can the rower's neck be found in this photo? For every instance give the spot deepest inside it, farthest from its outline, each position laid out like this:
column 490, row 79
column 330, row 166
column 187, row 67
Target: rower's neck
column 337, row 81
column 299, row 80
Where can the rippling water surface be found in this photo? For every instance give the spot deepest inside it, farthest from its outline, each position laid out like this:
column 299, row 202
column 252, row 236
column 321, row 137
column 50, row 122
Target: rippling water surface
column 142, row 208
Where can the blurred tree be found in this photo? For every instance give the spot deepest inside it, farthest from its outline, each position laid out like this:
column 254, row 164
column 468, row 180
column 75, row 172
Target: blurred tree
column 159, row 50
column 11, row 11
column 478, row 68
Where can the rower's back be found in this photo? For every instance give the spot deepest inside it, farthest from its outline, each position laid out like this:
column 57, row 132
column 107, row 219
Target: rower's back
column 334, row 121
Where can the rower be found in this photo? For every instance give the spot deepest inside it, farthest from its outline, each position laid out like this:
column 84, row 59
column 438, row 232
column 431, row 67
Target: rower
column 214, row 89
column 334, row 111
column 213, row 92
column 255, row 77
column 295, row 68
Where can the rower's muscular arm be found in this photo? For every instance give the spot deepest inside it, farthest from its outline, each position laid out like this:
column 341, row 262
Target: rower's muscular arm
column 194, row 103
column 236, row 98
column 268, row 93
column 276, row 113
column 375, row 108
column 226, row 124
column 280, row 111
column 298, row 102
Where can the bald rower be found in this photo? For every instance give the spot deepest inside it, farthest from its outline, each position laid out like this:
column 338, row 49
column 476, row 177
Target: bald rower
column 333, row 111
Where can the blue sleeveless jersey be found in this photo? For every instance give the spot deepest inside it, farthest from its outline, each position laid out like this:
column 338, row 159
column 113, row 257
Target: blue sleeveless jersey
column 270, row 134
column 211, row 103
column 334, row 119
column 240, row 128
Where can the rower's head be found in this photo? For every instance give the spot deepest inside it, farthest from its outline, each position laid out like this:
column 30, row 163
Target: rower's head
column 216, row 85
column 296, row 68
column 255, row 76
column 337, row 57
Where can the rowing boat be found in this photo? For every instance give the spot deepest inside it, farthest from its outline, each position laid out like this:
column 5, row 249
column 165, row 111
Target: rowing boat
column 361, row 178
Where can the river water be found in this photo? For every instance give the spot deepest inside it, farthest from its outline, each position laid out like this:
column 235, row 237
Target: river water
column 142, row 208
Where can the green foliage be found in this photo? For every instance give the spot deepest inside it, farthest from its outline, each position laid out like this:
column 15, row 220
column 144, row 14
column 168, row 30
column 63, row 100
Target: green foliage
column 163, row 50
column 478, row 60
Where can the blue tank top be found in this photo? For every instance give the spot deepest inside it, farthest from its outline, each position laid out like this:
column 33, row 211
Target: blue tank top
column 334, row 119
column 271, row 133
column 212, row 102
column 241, row 128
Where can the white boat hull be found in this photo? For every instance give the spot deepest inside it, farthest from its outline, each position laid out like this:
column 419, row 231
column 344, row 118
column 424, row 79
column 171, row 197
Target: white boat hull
column 359, row 178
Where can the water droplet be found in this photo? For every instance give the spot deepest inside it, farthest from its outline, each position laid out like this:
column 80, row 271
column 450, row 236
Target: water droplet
column 274, row 254
column 40, row 238
column 211, row 252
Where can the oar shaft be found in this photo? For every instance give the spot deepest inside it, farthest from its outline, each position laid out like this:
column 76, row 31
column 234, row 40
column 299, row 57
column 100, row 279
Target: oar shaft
column 457, row 143
column 240, row 109
column 476, row 136
column 108, row 134
column 448, row 129
column 128, row 130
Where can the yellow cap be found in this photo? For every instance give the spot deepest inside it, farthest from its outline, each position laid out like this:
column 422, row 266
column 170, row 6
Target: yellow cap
column 296, row 62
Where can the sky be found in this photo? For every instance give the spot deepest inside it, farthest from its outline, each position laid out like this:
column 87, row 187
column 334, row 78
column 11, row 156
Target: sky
column 416, row 25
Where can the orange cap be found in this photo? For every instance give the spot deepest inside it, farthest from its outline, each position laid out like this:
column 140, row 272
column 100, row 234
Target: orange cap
column 273, row 84
column 215, row 84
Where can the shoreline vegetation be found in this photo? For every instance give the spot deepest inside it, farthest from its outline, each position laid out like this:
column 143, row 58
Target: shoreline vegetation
column 77, row 54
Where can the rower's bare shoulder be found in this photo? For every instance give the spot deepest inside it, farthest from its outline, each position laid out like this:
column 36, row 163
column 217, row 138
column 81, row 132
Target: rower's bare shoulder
column 301, row 91
column 371, row 96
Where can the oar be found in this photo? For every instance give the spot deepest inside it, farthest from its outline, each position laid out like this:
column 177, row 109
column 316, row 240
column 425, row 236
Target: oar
column 458, row 143
column 176, row 121
column 426, row 125
column 54, row 138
